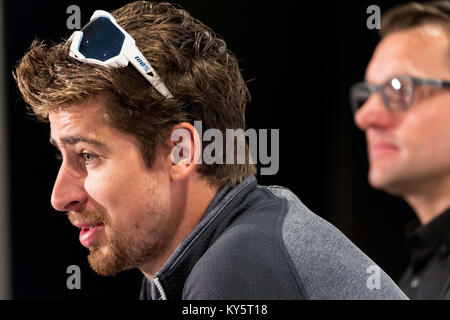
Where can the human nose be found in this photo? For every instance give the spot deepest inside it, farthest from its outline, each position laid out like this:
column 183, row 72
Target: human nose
column 68, row 192
column 373, row 113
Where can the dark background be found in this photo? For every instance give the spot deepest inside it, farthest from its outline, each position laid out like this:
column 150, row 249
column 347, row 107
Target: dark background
column 301, row 56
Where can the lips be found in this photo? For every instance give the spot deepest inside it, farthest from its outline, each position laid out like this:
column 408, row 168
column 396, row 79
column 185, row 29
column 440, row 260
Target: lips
column 382, row 149
column 90, row 233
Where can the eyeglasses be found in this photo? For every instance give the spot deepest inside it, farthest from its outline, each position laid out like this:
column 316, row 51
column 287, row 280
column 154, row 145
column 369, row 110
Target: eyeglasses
column 102, row 41
column 397, row 93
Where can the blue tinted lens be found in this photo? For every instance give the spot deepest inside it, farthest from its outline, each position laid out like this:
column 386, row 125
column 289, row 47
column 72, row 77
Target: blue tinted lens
column 101, row 39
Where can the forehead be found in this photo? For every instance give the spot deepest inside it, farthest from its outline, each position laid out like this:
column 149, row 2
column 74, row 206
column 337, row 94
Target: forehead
column 420, row 52
column 87, row 114
column 88, row 120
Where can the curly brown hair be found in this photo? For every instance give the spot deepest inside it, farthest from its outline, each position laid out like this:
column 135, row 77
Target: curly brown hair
column 194, row 63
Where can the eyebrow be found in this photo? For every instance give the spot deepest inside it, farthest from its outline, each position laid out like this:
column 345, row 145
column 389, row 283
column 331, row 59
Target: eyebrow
column 73, row 140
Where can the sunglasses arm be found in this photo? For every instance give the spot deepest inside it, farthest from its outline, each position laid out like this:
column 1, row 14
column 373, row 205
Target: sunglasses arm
column 135, row 56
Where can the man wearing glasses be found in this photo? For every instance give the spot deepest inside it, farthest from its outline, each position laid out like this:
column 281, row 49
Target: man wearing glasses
column 404, row 110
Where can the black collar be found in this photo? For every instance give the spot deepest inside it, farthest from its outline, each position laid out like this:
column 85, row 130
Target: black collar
column 436, row 232
column 431, row 238
column 428, row 240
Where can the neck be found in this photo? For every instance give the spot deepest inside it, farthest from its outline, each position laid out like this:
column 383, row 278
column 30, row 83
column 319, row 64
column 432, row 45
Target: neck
column 196, row 197
column 429, row 199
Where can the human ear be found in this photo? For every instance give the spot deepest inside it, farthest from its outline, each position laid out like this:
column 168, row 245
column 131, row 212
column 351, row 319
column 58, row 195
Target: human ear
column 185, row 150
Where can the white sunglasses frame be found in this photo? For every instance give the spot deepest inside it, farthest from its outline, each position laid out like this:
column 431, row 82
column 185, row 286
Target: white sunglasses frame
column 128, row 53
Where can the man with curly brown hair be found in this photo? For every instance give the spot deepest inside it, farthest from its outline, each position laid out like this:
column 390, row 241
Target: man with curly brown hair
column 115, row 93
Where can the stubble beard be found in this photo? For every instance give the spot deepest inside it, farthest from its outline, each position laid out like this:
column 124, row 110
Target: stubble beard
column 123, row 250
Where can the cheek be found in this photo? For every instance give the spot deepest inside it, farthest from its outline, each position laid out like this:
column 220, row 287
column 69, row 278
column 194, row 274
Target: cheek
column 111, row 189
column 128, row 194
column 427, row 135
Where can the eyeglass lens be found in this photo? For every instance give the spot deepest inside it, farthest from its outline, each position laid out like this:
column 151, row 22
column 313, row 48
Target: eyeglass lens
column 397, row 94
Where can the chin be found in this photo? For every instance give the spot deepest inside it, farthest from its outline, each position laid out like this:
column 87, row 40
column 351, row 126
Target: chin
column 105, row 263
column 384, row 182
column 379, row 179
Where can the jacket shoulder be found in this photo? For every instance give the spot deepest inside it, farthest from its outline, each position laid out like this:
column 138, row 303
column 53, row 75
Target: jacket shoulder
column 329, row 265
column 248, row 259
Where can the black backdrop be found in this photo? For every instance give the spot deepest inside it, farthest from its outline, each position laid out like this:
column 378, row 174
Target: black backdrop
column 301, row 56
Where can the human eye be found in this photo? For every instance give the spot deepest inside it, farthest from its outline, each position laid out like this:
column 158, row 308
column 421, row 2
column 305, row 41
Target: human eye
column 399, row 92
column 88, row 157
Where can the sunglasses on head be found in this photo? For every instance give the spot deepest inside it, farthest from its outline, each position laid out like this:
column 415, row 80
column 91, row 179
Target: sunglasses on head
column 102, row 41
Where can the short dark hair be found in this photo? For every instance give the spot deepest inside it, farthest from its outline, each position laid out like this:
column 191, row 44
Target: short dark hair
column 414, row 14
column 194, row 63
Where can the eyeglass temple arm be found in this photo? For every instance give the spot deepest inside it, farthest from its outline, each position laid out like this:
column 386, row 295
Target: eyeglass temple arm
column 136, row 57
column 433, row 82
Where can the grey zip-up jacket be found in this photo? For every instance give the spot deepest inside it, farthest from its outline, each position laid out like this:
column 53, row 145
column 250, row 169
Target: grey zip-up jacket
column 255, row 242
